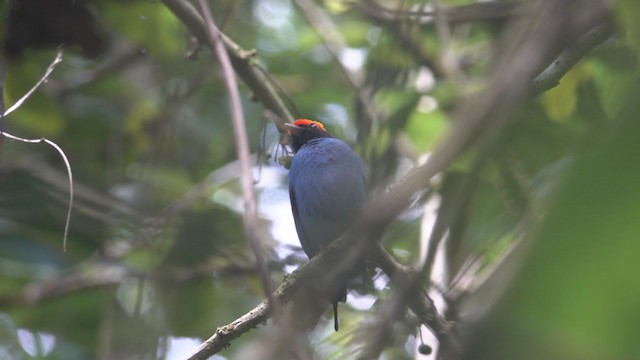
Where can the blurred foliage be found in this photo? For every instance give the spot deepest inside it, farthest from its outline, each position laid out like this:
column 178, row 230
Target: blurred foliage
column 575, row 297
column 157, row 253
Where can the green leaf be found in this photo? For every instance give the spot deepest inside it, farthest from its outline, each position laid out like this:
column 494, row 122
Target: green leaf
column 561, row 101
column 425, row 128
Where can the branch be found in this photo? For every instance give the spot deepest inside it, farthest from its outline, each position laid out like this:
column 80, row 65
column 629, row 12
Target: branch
column 551, row 76
column 416, row 298
column 84, row 77
column 242, row 147
column 249, row 71
column 407, row 41
column 333, row 41
column 95, row 274
column 69, row 176
column 292, row 283
column 485, row 11
column 600, row 30
column 57, row 60
column 82, row 280
column 321, row 268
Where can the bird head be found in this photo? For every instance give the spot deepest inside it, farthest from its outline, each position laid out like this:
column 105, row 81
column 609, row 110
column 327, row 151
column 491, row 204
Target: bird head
column 303, row 131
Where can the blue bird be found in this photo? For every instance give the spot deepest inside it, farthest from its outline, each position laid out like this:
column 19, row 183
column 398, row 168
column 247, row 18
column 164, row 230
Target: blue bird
column 327, row 189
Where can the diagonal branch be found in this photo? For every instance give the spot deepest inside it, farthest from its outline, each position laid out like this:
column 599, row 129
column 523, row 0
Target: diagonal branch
column 319, row 267
column 57, row 60
column 333, row 41
column 242, row 148
column 247, row 69
column 551, row 76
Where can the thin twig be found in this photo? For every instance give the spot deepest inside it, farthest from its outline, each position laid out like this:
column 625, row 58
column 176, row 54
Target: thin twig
column 552, row 75
column 245, row 67
column 57, row 60
column 419, row 302
column 114, row 65
column 448, row 59
column 96, row 274
column 333, row 41
column 485, row 11
column 407, row 40
column 242, row 147
column 69, row 174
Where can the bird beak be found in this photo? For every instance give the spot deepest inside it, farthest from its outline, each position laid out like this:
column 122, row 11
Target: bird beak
column 293, row 130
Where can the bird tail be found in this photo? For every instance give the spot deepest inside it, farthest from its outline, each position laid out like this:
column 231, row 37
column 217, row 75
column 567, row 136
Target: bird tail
column 335, row 316
column 342, row 297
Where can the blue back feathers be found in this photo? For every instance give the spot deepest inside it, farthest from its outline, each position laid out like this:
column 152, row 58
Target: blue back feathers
column 327, row 185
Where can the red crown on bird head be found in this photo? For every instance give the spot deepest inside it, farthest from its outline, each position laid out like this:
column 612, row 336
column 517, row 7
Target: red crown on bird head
column 307, row 122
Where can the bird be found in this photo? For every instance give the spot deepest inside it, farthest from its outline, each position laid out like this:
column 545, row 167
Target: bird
column 327, row 190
